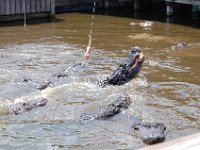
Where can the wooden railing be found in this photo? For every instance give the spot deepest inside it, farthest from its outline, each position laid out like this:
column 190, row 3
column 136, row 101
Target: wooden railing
column 14, row 7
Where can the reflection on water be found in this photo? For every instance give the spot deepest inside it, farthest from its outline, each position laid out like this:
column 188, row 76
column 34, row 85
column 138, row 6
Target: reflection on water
column 166, row 90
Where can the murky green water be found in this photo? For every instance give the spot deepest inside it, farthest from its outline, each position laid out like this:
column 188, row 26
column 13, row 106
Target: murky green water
column 167, row 89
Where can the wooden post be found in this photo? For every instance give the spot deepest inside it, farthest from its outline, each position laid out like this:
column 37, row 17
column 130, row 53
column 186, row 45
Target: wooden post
column 52, row 7
column 169, row 9
column 23, row 6
column 136, row 4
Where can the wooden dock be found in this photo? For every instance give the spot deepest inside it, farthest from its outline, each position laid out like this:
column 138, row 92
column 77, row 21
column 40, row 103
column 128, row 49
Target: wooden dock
column 171, row 3
column 190, row 142
column 190, row 2
column 15, row 9
column 20, row 9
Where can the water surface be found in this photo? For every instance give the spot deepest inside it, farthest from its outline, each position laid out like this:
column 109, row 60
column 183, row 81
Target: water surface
column 167, row 90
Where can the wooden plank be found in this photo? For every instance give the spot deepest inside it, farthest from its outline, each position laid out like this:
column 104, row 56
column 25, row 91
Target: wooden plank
column 38, row 2
column 62, row 3
column 191, row 2
column 43, row 6
column 2, row 7
column 18, row 6
column 191, row 142
column 48, row 5
column 28, row 6
column 52, row 7
column 23, row 6
column 12, row 7
column 8, row 7
column 33, row 8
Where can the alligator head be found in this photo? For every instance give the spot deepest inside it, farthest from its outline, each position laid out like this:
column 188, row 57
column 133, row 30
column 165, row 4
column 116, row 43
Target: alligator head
column 126, row 70
column 150, row 132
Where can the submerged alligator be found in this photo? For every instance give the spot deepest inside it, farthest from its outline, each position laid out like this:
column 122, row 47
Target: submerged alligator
column 56, row 77
column 123, row 102
column 149, row 132
column 20, row 107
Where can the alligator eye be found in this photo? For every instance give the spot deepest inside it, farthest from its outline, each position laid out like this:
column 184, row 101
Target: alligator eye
column 164, row 128
column 136, row 128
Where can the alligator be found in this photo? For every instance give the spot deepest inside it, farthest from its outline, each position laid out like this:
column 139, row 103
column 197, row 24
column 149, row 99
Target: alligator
column 149, row 132
column 53, row 79
column 127, row 70
column 20, row 107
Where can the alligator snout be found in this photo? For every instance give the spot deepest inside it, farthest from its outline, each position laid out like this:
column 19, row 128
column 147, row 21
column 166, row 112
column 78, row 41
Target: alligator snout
column 150, row 132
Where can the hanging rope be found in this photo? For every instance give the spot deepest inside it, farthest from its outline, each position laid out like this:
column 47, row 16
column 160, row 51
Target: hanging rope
column 90, row 35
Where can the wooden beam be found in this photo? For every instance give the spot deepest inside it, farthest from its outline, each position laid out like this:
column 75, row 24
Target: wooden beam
column 13, row 7
column 33, row 6
column 52, row 7
column 28, row 6
column 8, row 8
column 2, row 7
column 43, row 6
column 18, row 7
column 48, row 5
column 38, row 4
column 191, row 2
column 23, row 6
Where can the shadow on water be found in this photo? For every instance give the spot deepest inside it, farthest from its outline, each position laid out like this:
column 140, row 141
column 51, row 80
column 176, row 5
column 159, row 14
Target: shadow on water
column 30, row 22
